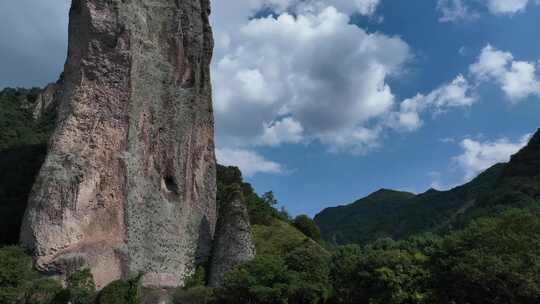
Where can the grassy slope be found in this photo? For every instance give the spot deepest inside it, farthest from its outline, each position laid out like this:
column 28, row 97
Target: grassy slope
column 277, row 238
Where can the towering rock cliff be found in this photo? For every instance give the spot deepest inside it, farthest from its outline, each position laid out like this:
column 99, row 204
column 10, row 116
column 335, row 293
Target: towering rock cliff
column 128, row 184
column 233, row 244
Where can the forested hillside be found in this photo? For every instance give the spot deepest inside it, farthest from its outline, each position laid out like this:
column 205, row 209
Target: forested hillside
column 23, row 141
column 399, row 215
column 478, row 243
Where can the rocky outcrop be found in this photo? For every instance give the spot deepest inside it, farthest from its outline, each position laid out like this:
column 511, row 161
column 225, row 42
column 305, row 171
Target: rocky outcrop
column 47, row 100
column 128, row 184
column 233, row 244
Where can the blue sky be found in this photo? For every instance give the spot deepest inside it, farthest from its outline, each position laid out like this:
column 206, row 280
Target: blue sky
column 325, row 101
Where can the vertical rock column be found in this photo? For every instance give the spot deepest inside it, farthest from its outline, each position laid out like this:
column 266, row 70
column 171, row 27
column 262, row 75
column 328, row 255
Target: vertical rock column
column 128, row 185
column 233, row 244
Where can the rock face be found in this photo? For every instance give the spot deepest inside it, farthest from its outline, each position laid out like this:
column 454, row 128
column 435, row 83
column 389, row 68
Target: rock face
column 128, row 184
column 233, row 244
column 47, row 101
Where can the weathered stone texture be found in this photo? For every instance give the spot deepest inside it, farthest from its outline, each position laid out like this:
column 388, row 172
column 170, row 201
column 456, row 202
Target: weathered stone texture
column 233, row 243
column 47, row 101
column 128, row 184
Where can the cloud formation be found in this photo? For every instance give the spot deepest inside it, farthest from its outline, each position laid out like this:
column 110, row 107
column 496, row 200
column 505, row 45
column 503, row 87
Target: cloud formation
column 517, row 79
column 477, row 156
column 455, row 10
column 249, row 162
column 458, row 93
column 506, row 6
column 286, row 130
column 462, row 10
column 310, row 76
column 281, row 79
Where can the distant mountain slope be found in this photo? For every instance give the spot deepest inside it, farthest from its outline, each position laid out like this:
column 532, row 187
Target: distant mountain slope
column 361, row 221
column 521, row 177
column 388, row 213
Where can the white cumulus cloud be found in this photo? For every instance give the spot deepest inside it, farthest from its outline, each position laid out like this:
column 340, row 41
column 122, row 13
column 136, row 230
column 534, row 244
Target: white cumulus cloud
column 506, row 6
column 477, row 156
column 293, row 76
column 517, row 79
column 457, row 93
column 455, row 10
column 326, row 75
column 463, row 10
column 249, row 162
column 286, row 130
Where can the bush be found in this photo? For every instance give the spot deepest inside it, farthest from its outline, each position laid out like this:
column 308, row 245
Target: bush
column 121, row 292
column 384, row 272
column 80, row 287
column 44, row 291
column 310, row 273
column 264, row 280
column 194, row 295
column 198, row 278
column 494, row 261
column 308, row 227
column 301, row 276
column 16, row 274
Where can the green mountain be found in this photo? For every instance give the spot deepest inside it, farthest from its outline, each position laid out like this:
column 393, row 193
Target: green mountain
column 398, row 215
column 362, row 221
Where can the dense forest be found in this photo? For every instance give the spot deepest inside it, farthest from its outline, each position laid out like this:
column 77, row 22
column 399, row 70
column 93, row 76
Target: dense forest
column 479, row 243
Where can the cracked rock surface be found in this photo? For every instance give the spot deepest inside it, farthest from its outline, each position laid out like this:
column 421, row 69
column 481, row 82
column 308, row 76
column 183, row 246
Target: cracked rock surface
column 233, row 244
column 128, row 184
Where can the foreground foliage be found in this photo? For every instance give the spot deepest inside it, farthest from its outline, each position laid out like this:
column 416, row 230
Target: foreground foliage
column 493, row 260
column 121, row 292
column 20, row 283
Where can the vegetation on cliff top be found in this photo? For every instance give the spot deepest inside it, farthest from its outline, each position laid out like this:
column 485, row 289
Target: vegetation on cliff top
column 22, row 151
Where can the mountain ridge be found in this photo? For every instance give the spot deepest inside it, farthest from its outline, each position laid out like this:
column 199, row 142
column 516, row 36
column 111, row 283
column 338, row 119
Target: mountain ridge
column 502, row 186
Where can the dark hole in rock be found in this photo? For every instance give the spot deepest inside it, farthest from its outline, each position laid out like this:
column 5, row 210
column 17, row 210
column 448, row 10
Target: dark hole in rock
column 170, row 184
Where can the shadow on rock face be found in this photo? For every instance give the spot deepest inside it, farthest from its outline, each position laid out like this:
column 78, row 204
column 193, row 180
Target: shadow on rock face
column 204, row 248
column 19, row 167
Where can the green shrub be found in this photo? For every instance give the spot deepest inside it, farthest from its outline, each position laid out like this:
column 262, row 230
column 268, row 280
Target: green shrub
column 264, row 280
column 198, row 278
column 81, row 288
column 494, row 261
column 16, row 274
column 309, row 268
column 44, row 291
column 121, row 292
column 308, row 227
column 194, row 295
